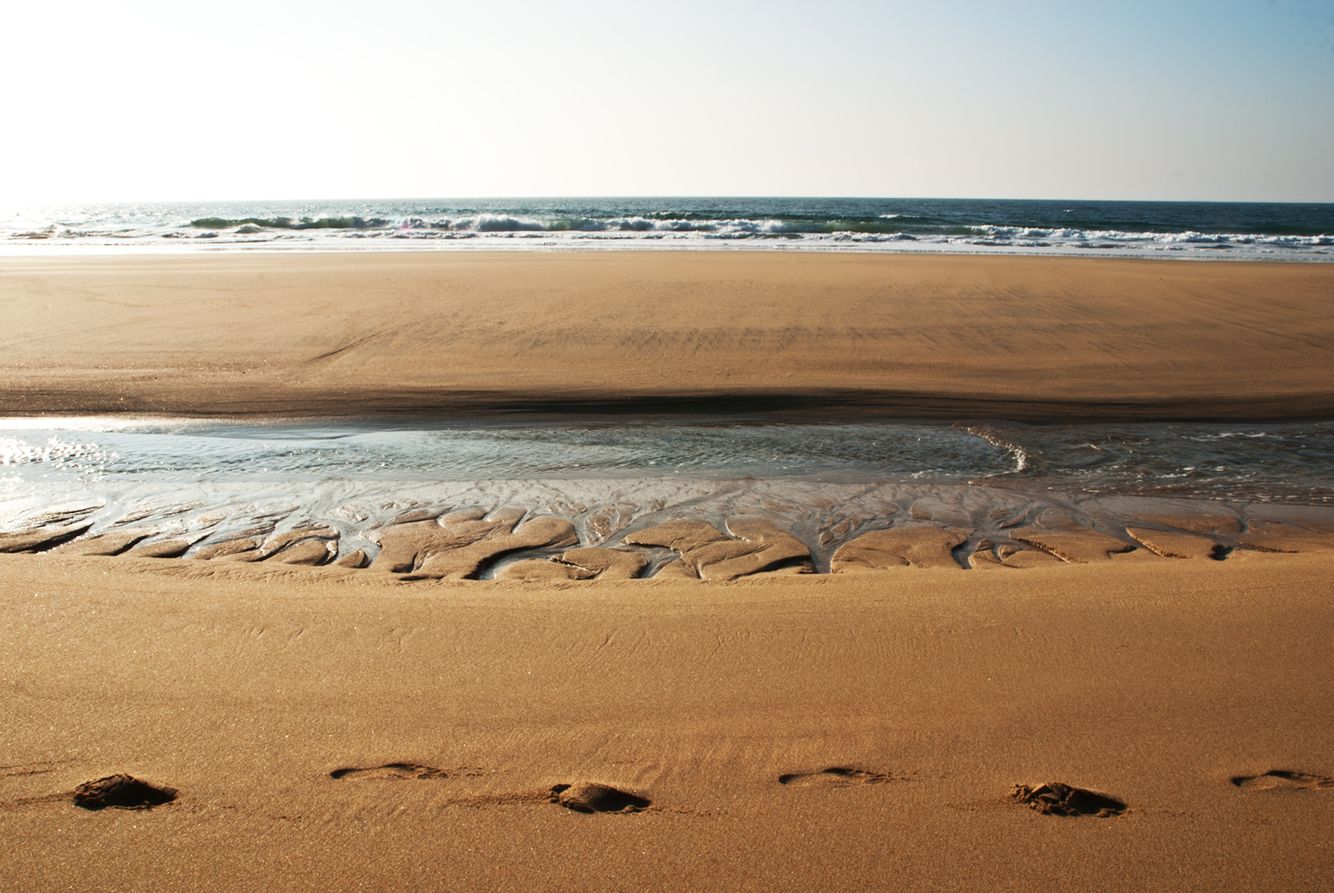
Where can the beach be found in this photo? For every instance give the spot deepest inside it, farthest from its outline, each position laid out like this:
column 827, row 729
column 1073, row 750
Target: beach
column 815, row 335
column 779, row 722
column 245, row 687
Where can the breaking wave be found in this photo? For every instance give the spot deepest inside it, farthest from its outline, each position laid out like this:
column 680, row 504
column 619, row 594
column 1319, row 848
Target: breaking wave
column 1166, row 229
column 290, row 223
column 883, row 228
column 1038, row 236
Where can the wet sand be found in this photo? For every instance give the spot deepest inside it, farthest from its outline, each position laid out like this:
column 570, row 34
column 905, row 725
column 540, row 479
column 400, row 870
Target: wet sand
column 448, row 712
column 835, row 335
column 674, row 529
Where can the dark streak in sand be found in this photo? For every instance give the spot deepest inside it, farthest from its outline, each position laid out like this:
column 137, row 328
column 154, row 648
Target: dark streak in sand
column 822, row 405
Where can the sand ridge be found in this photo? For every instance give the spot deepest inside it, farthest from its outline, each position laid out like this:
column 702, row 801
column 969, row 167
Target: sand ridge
column 516, row 544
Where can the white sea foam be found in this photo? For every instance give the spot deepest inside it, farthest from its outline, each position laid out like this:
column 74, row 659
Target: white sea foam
column 1015, row 234
column 854, row 225
column 55, row 451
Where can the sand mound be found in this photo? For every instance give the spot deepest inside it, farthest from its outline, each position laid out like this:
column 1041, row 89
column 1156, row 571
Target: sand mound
column 389, row 770
column 589, row 796
column 1058, row 798
column 121, row 792
column 835, row 775
column 751, row 546
column 1284, row 779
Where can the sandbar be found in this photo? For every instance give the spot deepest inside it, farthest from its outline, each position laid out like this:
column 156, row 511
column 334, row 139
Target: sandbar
column 814, row 335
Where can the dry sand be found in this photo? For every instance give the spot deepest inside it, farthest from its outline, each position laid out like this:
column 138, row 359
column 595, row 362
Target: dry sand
column 245, row 687
column 344, row 334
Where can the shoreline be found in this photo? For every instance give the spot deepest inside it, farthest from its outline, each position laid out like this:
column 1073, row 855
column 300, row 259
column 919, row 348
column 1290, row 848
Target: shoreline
column 789, row 335
column 36, row 251
column 699, row 500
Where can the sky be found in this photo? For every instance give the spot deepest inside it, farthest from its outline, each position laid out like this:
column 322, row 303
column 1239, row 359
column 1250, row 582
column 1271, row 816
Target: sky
column 287, row 99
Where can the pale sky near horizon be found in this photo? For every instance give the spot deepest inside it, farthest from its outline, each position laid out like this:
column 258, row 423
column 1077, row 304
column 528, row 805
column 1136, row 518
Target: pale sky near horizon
column 1175, row 99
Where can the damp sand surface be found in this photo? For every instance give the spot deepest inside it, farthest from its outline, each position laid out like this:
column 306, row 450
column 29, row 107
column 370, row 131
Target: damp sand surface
column 330, row 729
column 808, row 335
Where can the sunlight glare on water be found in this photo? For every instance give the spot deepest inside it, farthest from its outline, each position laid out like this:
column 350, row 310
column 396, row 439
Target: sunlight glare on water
column 1259, row 462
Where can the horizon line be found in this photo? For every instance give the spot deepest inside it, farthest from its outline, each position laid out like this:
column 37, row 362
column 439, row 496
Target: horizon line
column 666, row 196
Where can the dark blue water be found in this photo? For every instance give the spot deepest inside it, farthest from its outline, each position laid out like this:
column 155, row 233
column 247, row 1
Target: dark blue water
column 923, row 217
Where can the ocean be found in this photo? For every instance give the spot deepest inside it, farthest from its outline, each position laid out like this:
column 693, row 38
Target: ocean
column 1189, row 230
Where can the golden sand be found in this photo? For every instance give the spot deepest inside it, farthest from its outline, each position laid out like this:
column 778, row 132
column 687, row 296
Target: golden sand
column 348, row 335
column 336, row 729
column 380, row 728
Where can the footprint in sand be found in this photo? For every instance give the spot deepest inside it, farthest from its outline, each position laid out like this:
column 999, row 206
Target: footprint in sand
column 1059, row 798
column 389, row 770
column 121, row 792
column 1284, row 780
column 837, row 776
column 589, row 796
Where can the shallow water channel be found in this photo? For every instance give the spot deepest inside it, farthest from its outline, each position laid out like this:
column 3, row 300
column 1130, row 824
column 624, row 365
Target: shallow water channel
column 825, row 483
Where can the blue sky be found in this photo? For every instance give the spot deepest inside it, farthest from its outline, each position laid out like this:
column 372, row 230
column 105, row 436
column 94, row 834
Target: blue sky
column 166, row 100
